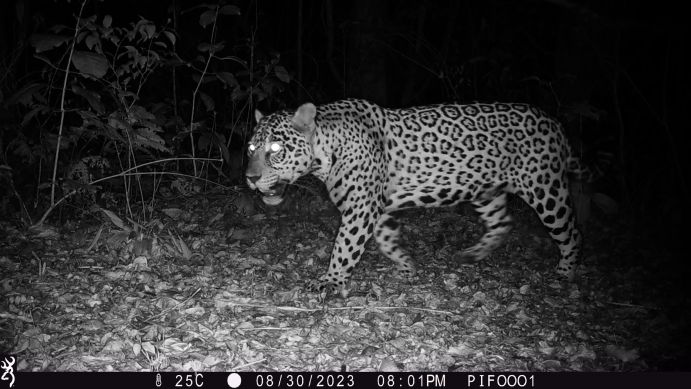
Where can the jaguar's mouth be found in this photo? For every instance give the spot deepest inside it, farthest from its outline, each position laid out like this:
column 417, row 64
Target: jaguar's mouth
column 274, row 195
column 272, row 200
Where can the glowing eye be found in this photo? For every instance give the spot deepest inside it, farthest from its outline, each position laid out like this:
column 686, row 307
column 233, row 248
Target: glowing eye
column 275, row 147
column 252, row 148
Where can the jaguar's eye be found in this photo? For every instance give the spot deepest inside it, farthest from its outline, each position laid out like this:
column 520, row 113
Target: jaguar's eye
column 275, row 147
column 252, row 148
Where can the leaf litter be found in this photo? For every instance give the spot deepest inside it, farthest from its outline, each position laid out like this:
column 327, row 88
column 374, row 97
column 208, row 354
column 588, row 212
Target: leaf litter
column 217, row 287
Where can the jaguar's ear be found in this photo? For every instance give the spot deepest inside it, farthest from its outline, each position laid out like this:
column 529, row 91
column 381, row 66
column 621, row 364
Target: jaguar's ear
column 258, row 115
column 304, row 117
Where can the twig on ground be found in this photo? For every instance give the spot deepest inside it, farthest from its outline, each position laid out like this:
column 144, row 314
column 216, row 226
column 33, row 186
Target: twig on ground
column 248, row 364
column 297, row 309
column 163, row 312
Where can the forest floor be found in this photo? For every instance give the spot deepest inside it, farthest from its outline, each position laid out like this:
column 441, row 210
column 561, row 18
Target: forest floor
column 216, row 283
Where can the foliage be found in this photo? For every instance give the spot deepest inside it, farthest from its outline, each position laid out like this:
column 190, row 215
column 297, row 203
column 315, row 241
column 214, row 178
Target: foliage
column 95, row 104
column 243, row 83
column 110, row 66
column 99, row 100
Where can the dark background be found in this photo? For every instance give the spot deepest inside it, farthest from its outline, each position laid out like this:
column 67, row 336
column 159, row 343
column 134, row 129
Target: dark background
column 615, row 73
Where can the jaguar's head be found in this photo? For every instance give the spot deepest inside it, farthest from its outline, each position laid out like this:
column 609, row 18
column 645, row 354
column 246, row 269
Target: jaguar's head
column 280, row 151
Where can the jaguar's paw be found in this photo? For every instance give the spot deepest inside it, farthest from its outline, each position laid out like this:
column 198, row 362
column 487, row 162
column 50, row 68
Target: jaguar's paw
column 470, row 255
column 566, row 272
column 407, row 272
column 325, row 285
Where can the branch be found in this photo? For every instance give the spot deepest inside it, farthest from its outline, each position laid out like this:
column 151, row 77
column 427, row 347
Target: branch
column 62, row 105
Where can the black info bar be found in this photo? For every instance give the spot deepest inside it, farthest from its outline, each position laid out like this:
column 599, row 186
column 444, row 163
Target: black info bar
column 296, row 380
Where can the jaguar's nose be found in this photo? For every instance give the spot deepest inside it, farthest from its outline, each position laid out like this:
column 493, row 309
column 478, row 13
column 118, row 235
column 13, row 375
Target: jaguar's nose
column 253, row 179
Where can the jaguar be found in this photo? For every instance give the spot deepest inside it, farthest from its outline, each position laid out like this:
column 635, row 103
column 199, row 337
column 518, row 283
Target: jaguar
column 375, row 161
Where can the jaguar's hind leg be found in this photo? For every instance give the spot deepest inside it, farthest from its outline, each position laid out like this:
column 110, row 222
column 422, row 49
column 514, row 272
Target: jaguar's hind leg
column 553, row 206
column 387, row 234
column 497, row 222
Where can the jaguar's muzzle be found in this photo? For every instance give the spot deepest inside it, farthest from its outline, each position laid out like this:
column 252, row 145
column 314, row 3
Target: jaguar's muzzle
column 273, row 195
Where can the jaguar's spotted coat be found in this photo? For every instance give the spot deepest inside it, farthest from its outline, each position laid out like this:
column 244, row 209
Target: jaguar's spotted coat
column 376, row 160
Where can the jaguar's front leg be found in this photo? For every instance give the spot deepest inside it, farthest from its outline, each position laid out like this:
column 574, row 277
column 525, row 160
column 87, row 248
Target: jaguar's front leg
column 387, row 233
column 355, row 230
